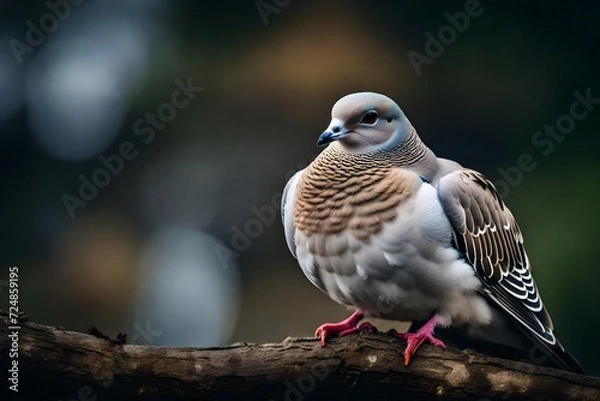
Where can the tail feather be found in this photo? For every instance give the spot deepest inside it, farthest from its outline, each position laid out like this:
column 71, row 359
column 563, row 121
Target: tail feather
column 538, row 353
column 505, row 338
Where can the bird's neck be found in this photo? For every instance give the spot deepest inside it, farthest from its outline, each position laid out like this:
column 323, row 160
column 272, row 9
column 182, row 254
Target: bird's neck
column 414, row 155
column 411, row 154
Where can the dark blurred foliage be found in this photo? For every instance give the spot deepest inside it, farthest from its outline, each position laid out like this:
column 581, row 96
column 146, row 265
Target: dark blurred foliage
column 160, row 245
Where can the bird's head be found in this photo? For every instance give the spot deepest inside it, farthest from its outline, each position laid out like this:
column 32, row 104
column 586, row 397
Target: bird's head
column 366, row 122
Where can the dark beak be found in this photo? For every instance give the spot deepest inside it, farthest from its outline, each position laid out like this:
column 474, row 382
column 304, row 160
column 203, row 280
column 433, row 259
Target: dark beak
column 329, row 136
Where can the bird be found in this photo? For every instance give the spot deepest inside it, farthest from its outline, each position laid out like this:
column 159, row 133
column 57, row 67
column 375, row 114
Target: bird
column 383, row 226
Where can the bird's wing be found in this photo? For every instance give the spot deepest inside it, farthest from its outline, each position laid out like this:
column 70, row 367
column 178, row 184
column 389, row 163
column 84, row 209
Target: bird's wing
column 287, row 211
column 488, row 236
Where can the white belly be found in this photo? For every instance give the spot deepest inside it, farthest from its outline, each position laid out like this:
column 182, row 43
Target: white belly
column 407, row 271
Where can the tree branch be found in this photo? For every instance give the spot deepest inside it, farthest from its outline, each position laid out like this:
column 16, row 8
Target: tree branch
column 58, row 364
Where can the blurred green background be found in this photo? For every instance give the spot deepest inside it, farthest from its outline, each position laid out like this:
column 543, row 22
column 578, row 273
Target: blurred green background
column 181, row 245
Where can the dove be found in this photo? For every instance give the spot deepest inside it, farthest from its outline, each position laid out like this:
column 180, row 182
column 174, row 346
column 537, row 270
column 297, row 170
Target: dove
column 383, row 226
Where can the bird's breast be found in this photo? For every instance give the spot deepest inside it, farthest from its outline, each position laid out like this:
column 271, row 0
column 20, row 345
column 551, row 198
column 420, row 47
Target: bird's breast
column 399, row 271
column 330, row 201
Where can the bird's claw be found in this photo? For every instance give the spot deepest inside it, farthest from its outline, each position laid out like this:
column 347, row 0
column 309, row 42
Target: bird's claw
column 343, row 328
column 414, row 341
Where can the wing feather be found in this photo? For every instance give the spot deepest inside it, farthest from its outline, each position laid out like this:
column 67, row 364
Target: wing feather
column 487, row 234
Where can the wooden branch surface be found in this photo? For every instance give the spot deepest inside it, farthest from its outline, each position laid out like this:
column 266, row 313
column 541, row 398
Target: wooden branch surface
column 58, row 364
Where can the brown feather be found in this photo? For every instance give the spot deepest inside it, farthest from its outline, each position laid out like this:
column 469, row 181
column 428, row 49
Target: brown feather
column 352, row 192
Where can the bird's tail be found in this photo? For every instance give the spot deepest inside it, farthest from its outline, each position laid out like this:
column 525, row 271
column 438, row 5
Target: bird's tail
column 538, row 352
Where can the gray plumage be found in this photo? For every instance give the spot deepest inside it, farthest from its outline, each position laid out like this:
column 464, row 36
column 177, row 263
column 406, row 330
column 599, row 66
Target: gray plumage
column 379, row 223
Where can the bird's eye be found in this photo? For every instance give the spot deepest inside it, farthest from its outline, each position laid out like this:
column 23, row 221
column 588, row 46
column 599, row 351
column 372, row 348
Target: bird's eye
column 370, row 118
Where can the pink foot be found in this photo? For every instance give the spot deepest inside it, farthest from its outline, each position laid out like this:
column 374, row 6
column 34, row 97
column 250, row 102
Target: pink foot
column 423, row 335
column 343, row 328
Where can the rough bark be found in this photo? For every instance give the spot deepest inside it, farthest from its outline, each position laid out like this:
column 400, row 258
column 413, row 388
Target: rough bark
column 59, row 364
